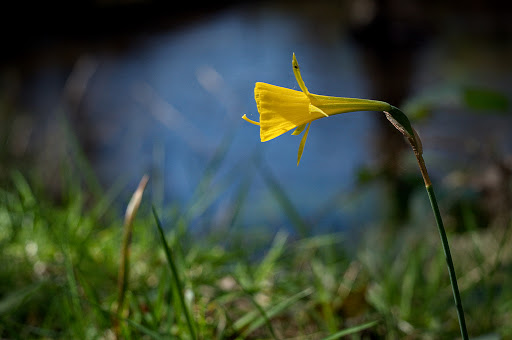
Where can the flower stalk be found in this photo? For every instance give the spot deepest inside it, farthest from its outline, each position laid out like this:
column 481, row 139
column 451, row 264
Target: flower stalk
column 402, row 124
column 283, row 109
column 449, row 262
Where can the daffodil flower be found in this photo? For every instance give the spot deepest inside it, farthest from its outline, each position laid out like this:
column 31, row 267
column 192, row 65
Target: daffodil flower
column 282, row 109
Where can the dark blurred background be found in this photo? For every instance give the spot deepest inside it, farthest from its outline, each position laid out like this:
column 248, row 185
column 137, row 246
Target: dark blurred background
column 110, row 90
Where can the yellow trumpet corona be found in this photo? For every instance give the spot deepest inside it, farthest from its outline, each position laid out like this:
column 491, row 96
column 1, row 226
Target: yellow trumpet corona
column 282, row 109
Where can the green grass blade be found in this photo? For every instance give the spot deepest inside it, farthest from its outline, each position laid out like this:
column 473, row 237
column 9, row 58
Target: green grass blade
column 407, row 287
column 285, row 202
column 143, row 329
column 92, row 299
column 131, row 323
column 319, row 241
column 175, row 276
column 253, row 322
column 203, row 193
column 321, row 275
column 240, row 199
column 23, row 189
column 106, row 202
column 15, row 298
column 351, row 330
column 269, row 262
column 83, row 166
column 263, row 314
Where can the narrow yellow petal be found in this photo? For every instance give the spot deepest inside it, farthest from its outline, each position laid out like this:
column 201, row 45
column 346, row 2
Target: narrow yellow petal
column 298, row 130
column 302, row 144
column 244, row 117
column 296, row 71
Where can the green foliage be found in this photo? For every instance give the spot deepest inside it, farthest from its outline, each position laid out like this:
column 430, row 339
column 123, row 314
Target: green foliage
column 475, row 99
column 58, row 278
column 485, row 99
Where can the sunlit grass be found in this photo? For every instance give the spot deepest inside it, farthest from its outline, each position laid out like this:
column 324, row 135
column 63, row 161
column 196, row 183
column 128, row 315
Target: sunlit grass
column 61, row 260
column 60, row 267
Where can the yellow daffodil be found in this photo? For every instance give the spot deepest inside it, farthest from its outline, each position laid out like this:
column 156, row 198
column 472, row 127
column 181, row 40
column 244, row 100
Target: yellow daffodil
column 282, row 109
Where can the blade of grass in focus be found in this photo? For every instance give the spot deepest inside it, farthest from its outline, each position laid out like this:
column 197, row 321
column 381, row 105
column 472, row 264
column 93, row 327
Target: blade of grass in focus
column 177, row 282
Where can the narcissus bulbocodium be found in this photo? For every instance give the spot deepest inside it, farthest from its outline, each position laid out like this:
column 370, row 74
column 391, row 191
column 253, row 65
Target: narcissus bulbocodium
column 282, row 109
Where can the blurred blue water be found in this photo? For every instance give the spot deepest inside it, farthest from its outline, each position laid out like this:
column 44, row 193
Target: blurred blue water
column 165, row 104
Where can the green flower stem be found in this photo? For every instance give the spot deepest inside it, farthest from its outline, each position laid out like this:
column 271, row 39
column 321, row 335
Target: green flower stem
column 402, row 124
column 446, row 247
